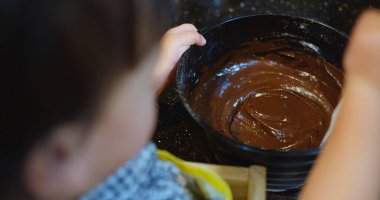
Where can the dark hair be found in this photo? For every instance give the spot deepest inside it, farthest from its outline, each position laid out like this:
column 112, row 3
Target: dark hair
column 56, row 56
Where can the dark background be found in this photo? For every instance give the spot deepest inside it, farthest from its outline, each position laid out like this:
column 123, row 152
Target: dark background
column 176, row 130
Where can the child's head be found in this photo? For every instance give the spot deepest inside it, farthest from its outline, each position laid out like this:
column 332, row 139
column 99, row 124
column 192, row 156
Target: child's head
column 76, row 99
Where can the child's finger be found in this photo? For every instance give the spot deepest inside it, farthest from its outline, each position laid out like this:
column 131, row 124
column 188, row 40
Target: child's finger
column 189, row 38
column 362, row 55
column 370, row 20
column 183, row 28
column 367, row 28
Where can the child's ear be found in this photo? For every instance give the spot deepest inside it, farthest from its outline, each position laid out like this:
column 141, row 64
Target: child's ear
column 54, row 168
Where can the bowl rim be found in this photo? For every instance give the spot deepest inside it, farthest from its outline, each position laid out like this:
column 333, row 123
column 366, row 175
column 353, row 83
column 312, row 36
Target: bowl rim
column 209, row 28
column 214, row 132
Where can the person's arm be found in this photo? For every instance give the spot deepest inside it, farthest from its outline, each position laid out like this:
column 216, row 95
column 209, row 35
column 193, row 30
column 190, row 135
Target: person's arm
column 349, row 166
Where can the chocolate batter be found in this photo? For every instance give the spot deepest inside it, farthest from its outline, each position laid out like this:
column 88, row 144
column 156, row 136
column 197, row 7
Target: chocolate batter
column 273, row 94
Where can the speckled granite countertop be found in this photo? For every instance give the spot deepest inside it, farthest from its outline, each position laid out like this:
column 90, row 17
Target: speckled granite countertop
column 336, row 13
column 175, row 130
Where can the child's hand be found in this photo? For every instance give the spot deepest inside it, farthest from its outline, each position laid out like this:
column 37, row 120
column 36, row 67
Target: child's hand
column 349, row 167
column 362, row 59
column 173, row 44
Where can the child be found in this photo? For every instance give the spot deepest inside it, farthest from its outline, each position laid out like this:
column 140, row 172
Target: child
column 78, row 83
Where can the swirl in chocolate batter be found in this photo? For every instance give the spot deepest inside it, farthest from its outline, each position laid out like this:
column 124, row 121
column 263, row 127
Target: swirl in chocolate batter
column 273, row 94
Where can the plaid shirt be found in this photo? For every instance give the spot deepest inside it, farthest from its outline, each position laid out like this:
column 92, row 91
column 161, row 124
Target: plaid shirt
column 144, row 177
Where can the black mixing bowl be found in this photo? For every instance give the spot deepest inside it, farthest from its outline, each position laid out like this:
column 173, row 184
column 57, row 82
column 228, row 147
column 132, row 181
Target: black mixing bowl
column 285, row 170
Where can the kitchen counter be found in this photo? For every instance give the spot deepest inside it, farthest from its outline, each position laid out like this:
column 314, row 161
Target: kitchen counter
column 176, row 129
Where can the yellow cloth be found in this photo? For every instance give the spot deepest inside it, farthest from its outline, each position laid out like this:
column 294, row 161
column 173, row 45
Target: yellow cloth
column 211, row 185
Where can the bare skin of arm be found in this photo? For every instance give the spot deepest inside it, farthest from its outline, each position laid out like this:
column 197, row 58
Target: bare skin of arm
column 349, row 166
